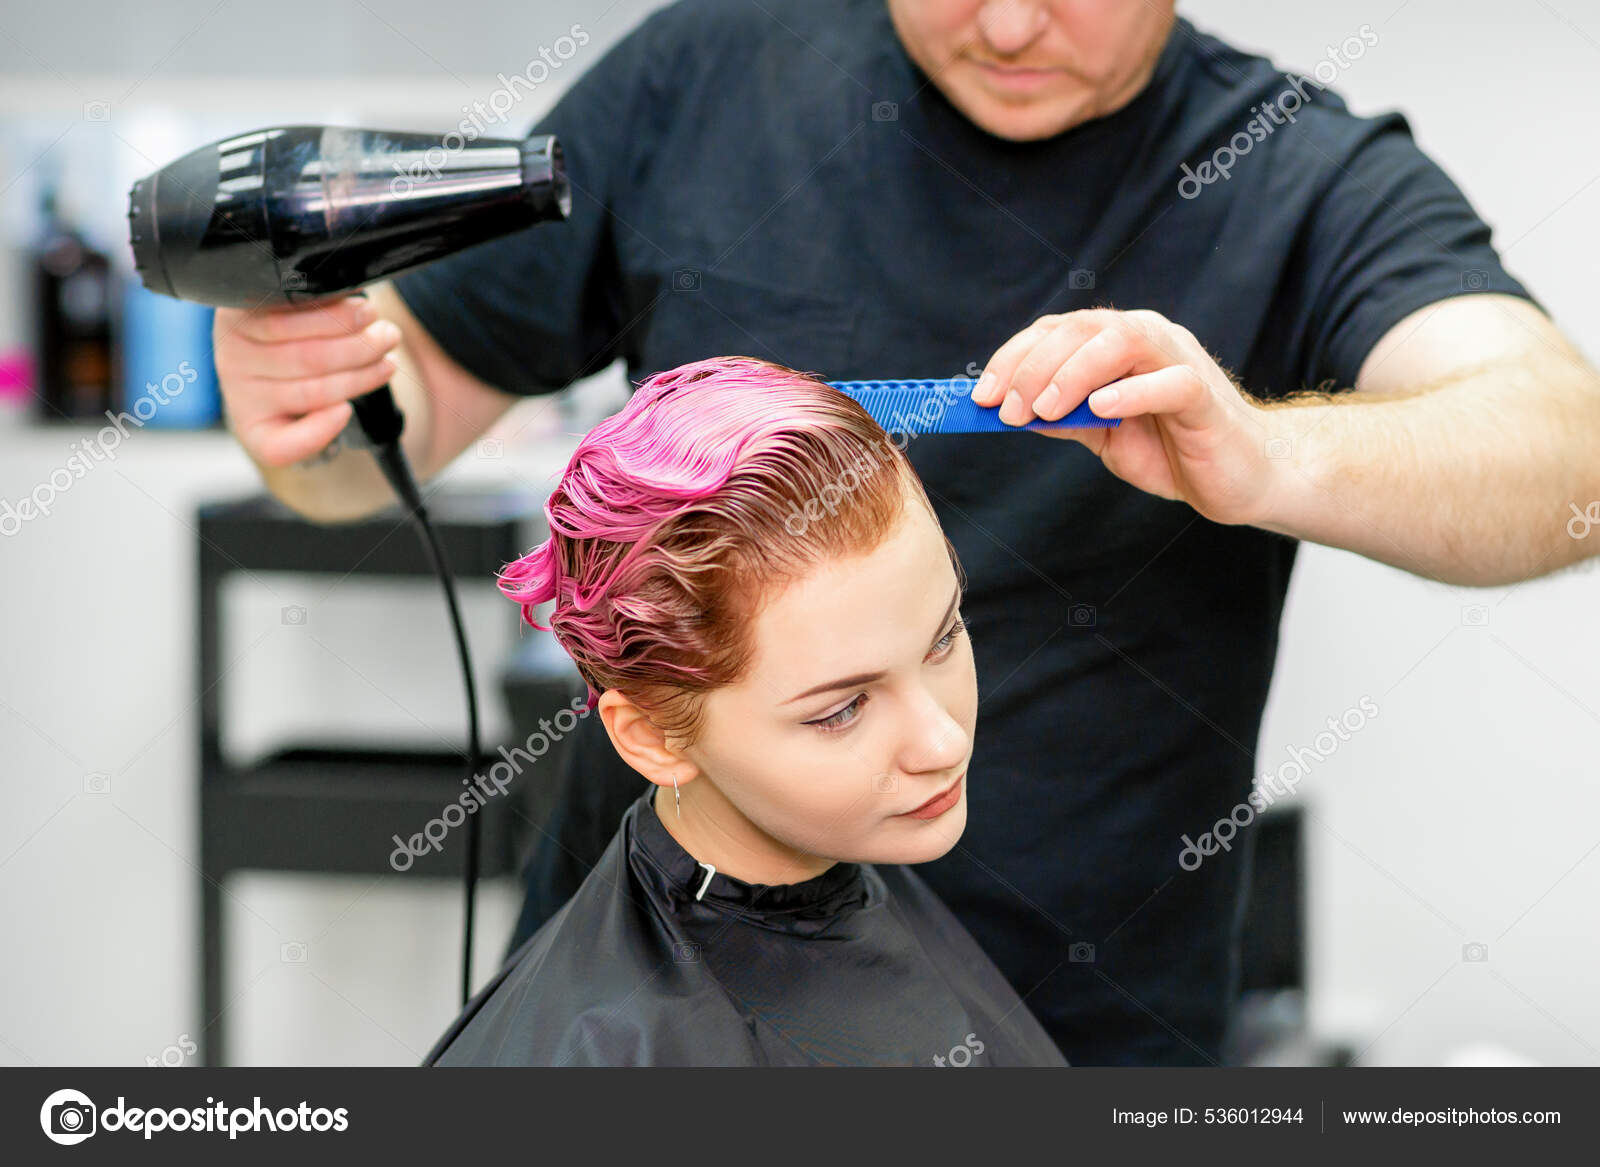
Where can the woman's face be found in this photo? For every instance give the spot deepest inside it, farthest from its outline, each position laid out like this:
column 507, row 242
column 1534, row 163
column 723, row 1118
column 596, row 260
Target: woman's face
column 858, row 711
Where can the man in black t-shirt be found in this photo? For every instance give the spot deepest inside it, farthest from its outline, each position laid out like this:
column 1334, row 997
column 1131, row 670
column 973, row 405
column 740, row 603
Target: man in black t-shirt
column 1076, row 197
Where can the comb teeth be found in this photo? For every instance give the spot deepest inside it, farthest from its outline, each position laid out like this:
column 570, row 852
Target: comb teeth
column 946, row 407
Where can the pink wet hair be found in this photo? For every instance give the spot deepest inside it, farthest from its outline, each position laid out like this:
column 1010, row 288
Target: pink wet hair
column 677, row 516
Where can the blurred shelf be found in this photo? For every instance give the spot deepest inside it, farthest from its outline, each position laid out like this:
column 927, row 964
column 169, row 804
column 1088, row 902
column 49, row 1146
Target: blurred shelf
column 264, row 816
column 316, row 808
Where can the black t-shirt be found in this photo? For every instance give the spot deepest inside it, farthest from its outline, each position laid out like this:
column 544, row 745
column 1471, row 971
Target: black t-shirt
column 782, row 181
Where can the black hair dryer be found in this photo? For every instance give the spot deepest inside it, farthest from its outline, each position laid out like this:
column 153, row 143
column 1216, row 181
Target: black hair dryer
column 302, row 213
column 298, row 214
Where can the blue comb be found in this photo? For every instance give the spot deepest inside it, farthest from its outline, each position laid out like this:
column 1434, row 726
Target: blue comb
column 946, row 407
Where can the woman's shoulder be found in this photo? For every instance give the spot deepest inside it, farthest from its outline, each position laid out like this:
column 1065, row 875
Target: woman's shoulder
column 922, row 910
column 597, row 984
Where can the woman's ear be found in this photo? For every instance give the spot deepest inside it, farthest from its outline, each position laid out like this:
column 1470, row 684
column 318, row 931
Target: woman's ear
column 641, row 743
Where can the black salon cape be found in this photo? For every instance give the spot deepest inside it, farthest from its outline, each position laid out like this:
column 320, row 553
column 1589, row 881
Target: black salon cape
column 859, row 966
column 781, row 180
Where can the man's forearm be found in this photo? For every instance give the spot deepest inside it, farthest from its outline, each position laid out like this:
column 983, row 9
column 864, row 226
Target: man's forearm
column 334, row 489
column 1470, row 483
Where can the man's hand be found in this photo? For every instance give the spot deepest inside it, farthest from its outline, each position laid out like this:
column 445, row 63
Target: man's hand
column 1459, row 455
column 287, row 374
column 1188, row 431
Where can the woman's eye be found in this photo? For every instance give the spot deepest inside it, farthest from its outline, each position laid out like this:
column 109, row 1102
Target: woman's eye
column 837, row 721
column 947, row 641
column 847, row 716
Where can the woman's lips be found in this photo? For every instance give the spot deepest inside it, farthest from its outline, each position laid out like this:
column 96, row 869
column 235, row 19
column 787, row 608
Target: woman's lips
column 939, row 803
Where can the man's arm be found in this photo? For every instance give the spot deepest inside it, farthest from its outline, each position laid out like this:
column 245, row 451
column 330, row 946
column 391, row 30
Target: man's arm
column 276, row 372
column 1472, row 433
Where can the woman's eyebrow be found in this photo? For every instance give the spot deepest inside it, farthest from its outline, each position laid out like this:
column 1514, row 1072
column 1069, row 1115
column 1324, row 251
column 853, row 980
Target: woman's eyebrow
column 868, row 678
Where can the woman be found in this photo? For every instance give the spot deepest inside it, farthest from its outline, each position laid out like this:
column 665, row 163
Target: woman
column 749, row 577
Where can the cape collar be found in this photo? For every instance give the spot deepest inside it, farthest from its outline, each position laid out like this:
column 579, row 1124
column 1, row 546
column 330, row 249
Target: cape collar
column 678, row 877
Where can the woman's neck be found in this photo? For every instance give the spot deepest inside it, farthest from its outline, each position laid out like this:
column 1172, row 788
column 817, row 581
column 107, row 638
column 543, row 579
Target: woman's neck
column 712, row 830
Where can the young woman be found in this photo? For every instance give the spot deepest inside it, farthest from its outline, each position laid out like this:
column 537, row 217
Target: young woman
column 748, row 575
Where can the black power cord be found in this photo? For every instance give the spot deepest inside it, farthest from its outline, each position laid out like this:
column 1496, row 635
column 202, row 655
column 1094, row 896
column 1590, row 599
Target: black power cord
column 382, row 423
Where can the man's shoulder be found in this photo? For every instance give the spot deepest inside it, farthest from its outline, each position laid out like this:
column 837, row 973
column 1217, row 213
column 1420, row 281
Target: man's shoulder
column 684, row 51
column 703, row 33
column 1294, row 118
column 1245, row 81
column 713, row 23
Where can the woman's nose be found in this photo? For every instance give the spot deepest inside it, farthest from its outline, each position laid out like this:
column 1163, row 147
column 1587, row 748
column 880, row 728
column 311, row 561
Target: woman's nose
column 935, row 740
column 1009, row 26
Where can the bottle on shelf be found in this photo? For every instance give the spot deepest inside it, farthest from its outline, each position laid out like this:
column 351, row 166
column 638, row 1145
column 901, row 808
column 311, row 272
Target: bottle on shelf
column 74, row 304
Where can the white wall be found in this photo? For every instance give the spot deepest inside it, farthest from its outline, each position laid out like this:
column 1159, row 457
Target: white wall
column 1465, row 812
column 1468, row 811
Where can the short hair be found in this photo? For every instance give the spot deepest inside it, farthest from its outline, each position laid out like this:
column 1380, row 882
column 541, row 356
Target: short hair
column 675, row 518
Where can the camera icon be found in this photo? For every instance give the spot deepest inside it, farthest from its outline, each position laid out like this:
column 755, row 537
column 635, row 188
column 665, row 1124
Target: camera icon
column 97, row 111
column 292, row 952
column 293, row 281
column 686, row 953
column 686, row 279
column 294, row 614
column 1475, row 953
column 1279, row 448
column 1474, row 279
column 1081, row 953
column 490, row 448
column 1081, row 615
column 1474, row 615
column 1584, row 521
column 886, row 784
column 1080, row 277
column 75, row 1120
column 885, row 111
column 97, row 783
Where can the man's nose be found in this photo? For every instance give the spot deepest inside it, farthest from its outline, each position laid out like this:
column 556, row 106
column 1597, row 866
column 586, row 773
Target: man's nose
column 1009, row 26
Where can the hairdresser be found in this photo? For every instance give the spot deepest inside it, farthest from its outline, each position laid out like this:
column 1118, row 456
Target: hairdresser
column 1300, row 319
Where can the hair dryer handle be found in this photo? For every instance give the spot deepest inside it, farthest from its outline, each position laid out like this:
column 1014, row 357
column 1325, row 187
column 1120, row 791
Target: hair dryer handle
column 380, row 419
column 382, row 422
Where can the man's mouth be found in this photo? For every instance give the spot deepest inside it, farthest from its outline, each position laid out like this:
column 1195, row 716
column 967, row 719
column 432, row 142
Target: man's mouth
column 1015, row 77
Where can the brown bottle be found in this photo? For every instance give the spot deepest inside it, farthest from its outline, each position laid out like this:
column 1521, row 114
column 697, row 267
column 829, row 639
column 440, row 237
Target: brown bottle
column 76, row 357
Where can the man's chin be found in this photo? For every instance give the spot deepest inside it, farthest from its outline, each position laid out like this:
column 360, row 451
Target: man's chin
column 1018, row 121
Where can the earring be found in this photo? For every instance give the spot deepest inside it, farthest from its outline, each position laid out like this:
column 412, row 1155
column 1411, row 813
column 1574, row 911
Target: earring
column 677, row 798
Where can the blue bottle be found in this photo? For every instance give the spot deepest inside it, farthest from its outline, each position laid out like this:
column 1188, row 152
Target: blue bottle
column 169, row 378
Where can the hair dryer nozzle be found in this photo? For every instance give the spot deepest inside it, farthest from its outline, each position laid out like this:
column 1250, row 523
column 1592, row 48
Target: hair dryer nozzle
column 301, row 213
